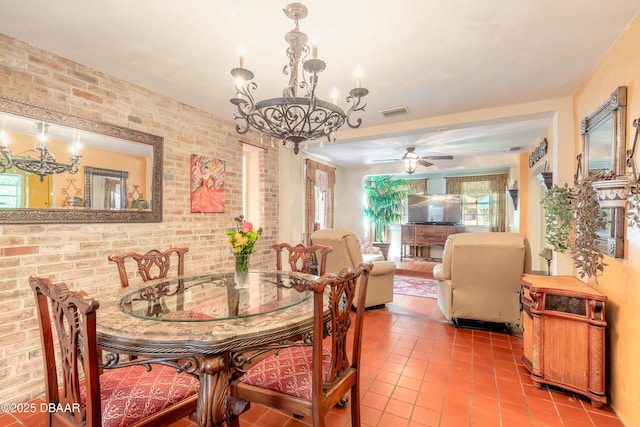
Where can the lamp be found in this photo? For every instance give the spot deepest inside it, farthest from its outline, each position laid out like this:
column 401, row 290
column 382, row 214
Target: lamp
column 547, row 254
column 44, row 163
column 410, row 160
column 291, row 118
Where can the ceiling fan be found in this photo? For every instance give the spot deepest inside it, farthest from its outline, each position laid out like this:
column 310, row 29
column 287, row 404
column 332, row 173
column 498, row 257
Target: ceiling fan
column 411, row 160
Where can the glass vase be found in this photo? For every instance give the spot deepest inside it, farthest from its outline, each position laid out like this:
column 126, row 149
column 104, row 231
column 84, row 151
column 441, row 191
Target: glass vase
column 241, row 276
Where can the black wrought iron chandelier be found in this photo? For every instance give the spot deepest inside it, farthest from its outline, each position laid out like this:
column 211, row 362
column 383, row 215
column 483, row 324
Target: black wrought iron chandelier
column 291, row 118
column 44, row 163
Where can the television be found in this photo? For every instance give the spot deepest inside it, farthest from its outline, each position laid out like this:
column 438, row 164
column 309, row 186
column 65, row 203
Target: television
column 439, row 209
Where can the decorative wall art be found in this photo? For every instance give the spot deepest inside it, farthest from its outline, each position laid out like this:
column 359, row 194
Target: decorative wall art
column 207, row 184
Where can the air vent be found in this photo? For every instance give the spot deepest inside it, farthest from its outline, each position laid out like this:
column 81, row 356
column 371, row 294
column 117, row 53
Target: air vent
column 515, row 149
column 397, row 111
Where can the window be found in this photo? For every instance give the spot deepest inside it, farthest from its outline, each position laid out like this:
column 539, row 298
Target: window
column 476, row 209
column 320, row 180
column 251, row 200
column 10, row 190
column 483, row 200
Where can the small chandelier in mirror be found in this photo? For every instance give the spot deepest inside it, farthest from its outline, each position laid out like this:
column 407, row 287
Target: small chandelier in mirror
column 292, row 118
column 44, row 163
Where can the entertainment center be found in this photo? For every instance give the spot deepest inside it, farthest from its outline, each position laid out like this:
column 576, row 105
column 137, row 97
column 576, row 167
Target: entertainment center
column 432, row 218
column 417, row 239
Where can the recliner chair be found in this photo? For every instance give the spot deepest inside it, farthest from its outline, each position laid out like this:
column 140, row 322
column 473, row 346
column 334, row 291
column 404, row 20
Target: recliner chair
column 346, row 253
column 480, row 276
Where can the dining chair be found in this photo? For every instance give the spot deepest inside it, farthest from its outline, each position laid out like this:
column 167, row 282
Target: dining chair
column 120, row 397
column 154, row 264
column 303, row 259
column 309, row 379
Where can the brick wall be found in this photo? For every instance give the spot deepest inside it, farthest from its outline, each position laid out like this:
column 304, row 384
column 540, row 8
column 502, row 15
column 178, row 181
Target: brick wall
column 77, row 253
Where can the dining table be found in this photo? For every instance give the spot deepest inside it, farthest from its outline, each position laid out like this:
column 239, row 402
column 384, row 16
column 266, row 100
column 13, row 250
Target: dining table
column 204, row 325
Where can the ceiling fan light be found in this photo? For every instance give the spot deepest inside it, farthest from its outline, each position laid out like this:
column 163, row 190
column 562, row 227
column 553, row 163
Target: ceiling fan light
column 410, row 161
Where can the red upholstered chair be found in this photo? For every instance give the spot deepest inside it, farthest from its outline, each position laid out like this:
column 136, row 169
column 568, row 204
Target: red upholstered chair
column 303, row 259
column 151, row 265
column 119, row 397
column 307, row 379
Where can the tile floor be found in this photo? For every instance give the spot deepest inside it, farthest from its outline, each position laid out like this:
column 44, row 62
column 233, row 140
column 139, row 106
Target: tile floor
column 418, row 370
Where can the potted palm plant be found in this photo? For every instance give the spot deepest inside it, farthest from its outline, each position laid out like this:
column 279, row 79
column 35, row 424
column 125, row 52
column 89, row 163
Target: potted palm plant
column 385, row 196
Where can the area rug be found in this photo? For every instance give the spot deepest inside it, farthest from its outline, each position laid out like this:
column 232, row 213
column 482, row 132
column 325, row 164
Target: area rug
column 414, row 286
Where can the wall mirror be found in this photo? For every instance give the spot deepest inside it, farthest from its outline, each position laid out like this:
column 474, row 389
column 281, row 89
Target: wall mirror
column 60, row 168
column 603, row 148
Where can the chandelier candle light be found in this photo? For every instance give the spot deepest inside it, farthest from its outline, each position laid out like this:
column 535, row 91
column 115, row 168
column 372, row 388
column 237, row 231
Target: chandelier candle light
column 291, row 118
column 43, row 165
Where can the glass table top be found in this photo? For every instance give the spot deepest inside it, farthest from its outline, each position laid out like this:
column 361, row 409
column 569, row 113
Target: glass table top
column 215, row 297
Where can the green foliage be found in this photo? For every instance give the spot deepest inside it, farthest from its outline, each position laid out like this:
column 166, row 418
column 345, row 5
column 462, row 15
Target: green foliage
column 384, row 196
column 633, row 202
column 589, row 219
column 563, row 206
column 558, row 214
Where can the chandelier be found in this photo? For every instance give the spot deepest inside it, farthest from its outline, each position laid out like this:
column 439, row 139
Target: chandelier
column 292, row 118
column 44, row 163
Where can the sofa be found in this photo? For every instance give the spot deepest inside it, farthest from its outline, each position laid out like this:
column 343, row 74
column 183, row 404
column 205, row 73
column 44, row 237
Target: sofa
column 347, row 253
column 479, row 277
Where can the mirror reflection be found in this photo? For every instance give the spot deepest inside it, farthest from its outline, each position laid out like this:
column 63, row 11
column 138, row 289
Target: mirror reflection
column 41, row 160
column 600, row 141
column 56, row 167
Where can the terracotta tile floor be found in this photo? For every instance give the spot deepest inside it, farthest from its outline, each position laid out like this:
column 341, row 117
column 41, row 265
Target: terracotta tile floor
column 418, row 370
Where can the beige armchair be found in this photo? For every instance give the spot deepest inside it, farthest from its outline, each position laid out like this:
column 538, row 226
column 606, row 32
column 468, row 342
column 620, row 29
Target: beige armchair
column 346, row 253
column 480, row 276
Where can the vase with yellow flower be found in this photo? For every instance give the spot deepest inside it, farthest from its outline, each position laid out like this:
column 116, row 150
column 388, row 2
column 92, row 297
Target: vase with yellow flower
column 242, row 239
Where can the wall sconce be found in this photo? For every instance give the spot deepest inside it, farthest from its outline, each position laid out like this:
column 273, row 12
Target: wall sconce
column 546, row 179
column 547, row 254
column 513, row 193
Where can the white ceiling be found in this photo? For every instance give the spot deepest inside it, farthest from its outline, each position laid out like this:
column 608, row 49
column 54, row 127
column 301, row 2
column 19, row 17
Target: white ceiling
column 434, row 57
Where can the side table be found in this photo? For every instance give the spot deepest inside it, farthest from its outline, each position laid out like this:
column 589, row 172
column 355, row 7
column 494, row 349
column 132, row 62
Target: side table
column 564, row 334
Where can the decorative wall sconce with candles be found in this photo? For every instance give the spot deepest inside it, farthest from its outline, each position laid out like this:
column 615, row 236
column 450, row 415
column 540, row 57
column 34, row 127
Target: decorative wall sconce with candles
column 291, row 118
column 44, row 163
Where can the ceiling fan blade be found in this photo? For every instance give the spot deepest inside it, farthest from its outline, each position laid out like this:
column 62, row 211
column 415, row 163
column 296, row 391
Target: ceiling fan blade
column 438, row 157
column 386, row 161
column 424, row 163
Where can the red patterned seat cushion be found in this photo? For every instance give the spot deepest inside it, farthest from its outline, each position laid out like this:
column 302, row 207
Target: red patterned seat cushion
column 131, row 394
column 287, row 372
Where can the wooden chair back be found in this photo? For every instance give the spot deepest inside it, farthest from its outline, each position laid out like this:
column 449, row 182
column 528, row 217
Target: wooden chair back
column 342, row 374
column 73, row 315
column 303, row 259
column 152, row 265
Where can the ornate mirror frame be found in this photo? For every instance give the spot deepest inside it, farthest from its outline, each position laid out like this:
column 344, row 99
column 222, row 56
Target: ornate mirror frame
column 615, row 108
column 49, row 216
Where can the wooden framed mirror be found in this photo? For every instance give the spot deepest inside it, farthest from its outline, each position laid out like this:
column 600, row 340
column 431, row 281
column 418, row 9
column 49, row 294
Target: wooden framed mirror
column 128, row 157
column 603, row 148
column 105, row 188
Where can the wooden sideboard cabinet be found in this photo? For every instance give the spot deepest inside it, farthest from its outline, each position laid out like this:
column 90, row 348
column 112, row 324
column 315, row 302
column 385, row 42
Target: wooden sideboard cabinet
column 417, row 239
column 564, row 334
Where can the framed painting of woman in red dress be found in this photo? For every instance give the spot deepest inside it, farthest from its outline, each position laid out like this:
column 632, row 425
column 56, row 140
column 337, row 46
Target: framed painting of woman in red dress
column 207, row 184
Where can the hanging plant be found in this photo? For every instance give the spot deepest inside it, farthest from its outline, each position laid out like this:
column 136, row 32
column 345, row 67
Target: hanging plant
column 633, row 185
column 633, row 203
column 589, row 219
column 558, row 213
